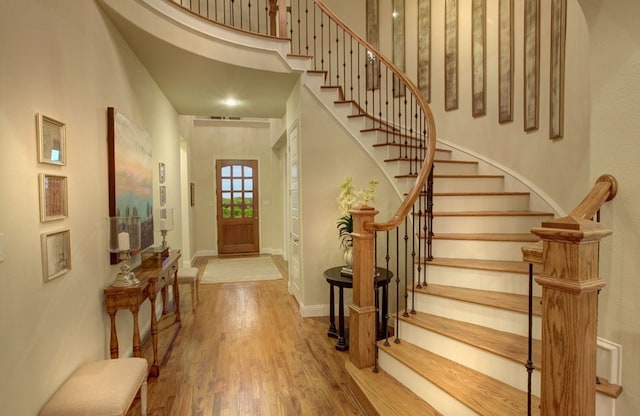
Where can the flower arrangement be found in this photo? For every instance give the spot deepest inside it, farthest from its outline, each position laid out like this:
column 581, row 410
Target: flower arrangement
column 348, row 198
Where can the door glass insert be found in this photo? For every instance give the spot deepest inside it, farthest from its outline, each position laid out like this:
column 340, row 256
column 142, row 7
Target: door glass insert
column 237, row 191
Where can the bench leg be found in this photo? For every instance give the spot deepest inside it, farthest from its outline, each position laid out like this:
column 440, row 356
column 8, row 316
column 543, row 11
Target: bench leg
column 143, row 399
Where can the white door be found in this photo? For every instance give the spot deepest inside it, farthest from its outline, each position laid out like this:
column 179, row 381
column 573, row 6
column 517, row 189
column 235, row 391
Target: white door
column 295, row 284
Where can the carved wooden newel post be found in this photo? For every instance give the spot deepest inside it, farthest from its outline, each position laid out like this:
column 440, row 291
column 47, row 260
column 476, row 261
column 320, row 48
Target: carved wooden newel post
column 362, row 318
column 570, row 285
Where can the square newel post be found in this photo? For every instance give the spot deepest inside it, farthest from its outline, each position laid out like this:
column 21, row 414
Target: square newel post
column 570, row 286
column 362, row 315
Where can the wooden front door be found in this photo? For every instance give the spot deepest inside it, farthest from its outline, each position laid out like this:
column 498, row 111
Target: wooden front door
column 237, row 203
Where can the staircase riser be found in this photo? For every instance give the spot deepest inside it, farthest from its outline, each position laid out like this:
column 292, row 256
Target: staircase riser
column 459, row 203
column 496, row 281
column 489, row 224
column 484, row 250
column 473, row 184
column 500, row 319
column 455, row 168
column 497, row 367
column 427, row 391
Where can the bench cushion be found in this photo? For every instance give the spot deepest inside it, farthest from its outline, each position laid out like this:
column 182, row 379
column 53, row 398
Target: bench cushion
column 105, row 387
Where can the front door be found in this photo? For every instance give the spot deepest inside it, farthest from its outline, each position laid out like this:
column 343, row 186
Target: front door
column 237, row 204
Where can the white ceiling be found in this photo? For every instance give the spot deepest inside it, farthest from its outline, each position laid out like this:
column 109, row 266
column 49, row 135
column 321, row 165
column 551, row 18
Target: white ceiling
column 197, row 85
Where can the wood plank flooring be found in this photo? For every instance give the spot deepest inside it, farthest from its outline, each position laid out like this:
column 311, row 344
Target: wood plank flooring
column 247, row 351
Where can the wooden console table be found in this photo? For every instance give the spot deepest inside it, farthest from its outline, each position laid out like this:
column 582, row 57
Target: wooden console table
column 153, row 275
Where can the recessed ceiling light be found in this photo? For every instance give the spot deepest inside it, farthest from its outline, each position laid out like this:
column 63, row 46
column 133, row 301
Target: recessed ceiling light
column 230, row 102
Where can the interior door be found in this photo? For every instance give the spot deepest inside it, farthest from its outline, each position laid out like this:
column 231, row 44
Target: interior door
column 295, row 283
column 237, row 206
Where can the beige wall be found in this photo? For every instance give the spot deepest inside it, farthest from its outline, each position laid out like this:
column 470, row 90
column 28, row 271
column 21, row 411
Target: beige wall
column 233, row 140
column 614, row 68
column 69, row 66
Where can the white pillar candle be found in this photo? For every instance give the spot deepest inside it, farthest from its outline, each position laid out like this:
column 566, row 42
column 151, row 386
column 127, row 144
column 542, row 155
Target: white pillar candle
column 123, row 241
column 163, row 224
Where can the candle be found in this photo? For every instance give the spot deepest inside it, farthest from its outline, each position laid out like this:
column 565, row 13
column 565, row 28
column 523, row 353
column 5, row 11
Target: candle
column 163, row 224
column 123, row 241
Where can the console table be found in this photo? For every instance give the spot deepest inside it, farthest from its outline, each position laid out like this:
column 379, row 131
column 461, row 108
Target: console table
column 335, row 278
column 153, row 275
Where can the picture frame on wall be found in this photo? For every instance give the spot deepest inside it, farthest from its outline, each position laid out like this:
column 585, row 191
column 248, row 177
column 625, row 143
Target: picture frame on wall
column 161, row 172
column 451, row 55
column 56, row 254
column 53, row 197
column 51, row 135
column 192, row 194
column 163, row 196
column 505, row 62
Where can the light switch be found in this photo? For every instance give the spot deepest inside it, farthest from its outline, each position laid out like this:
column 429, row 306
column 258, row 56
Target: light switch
column 1, row 247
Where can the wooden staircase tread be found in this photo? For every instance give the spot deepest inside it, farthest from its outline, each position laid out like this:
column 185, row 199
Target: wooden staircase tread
column 468, row 176
column 484, row 395
column 517, row 237
column 492, row 213
column 501, row 300
column 411, row 146
column 454, row 194
column 505, row 344
column 508, row 266
column 436, row 161
column 384, row 395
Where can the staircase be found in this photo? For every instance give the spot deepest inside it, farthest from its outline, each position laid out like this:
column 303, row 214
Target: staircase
column 463, row 348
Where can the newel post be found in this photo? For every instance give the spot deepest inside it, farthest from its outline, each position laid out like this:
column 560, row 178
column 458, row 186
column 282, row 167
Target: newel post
column 570, row 286
column 362, row 318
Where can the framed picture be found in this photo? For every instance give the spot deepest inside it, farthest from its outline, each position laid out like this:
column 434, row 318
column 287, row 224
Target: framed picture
column 531, row 64
column 478, row 57
column 130, row 174
column 505, row 62
column 161, row 172
column 51, row 140
column 56, row 254
column 424, row 48
column 192, row 194
column 451, row 55
column 556, row 95
column 163, row 195
column 53, row 197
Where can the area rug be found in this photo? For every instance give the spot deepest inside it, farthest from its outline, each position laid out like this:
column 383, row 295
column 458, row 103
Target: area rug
column 243, row 269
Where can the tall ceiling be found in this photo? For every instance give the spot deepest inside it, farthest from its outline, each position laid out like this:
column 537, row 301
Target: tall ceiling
column 196, row 85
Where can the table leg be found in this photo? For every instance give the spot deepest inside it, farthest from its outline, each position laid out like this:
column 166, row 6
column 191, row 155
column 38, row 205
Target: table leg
column 176, row 296
column 332, row 314
column 342, row 344
column 155, row 367
column 114, row 350
column 137, row 350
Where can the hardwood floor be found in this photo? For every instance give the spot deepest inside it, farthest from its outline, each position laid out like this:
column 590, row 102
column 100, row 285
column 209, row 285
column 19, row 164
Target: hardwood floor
column 247, row 351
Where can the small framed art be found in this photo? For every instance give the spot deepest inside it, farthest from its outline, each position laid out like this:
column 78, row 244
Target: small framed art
column 56, row 254
column 163, row 195
column 192, row 194
column 53, row 197
column 161, row 172
column 51, row 140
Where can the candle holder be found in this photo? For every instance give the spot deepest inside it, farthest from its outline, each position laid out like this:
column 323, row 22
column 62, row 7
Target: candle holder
column 163, row 221
column 124, row 237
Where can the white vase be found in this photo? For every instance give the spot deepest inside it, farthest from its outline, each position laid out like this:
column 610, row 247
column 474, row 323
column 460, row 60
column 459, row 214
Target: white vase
column 348, row 257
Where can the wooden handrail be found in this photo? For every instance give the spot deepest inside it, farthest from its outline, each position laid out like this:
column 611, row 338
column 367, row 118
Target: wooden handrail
column 604, row 190
column 429, row 131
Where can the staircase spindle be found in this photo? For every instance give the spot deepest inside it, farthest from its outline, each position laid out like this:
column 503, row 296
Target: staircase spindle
column 530, row 366
column 397, row 337
column 406, row 256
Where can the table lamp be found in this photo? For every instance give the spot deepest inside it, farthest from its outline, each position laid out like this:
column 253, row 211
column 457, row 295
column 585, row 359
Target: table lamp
column 124, row 237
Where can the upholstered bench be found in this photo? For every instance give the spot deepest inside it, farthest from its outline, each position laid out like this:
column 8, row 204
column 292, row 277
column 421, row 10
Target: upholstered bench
column 101, row 388
column 189, row 275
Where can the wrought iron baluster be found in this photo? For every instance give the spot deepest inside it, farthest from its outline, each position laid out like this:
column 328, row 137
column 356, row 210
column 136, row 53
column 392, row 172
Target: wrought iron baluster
column 530, row 367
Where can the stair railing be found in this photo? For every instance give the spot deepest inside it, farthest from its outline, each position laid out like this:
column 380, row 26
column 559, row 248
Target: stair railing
column 393, row 107
column 569, row 255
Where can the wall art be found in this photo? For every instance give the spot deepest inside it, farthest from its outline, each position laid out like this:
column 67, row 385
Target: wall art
column 130, row 174
column 424, row 48
column 51, row 140
column 531, row 64
column 451, row 55
column 558, row 43
column 56, row 254
column 53, row 197
column 478, row 57
column 505, row 62
column 398, row 45
column 373, row 37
